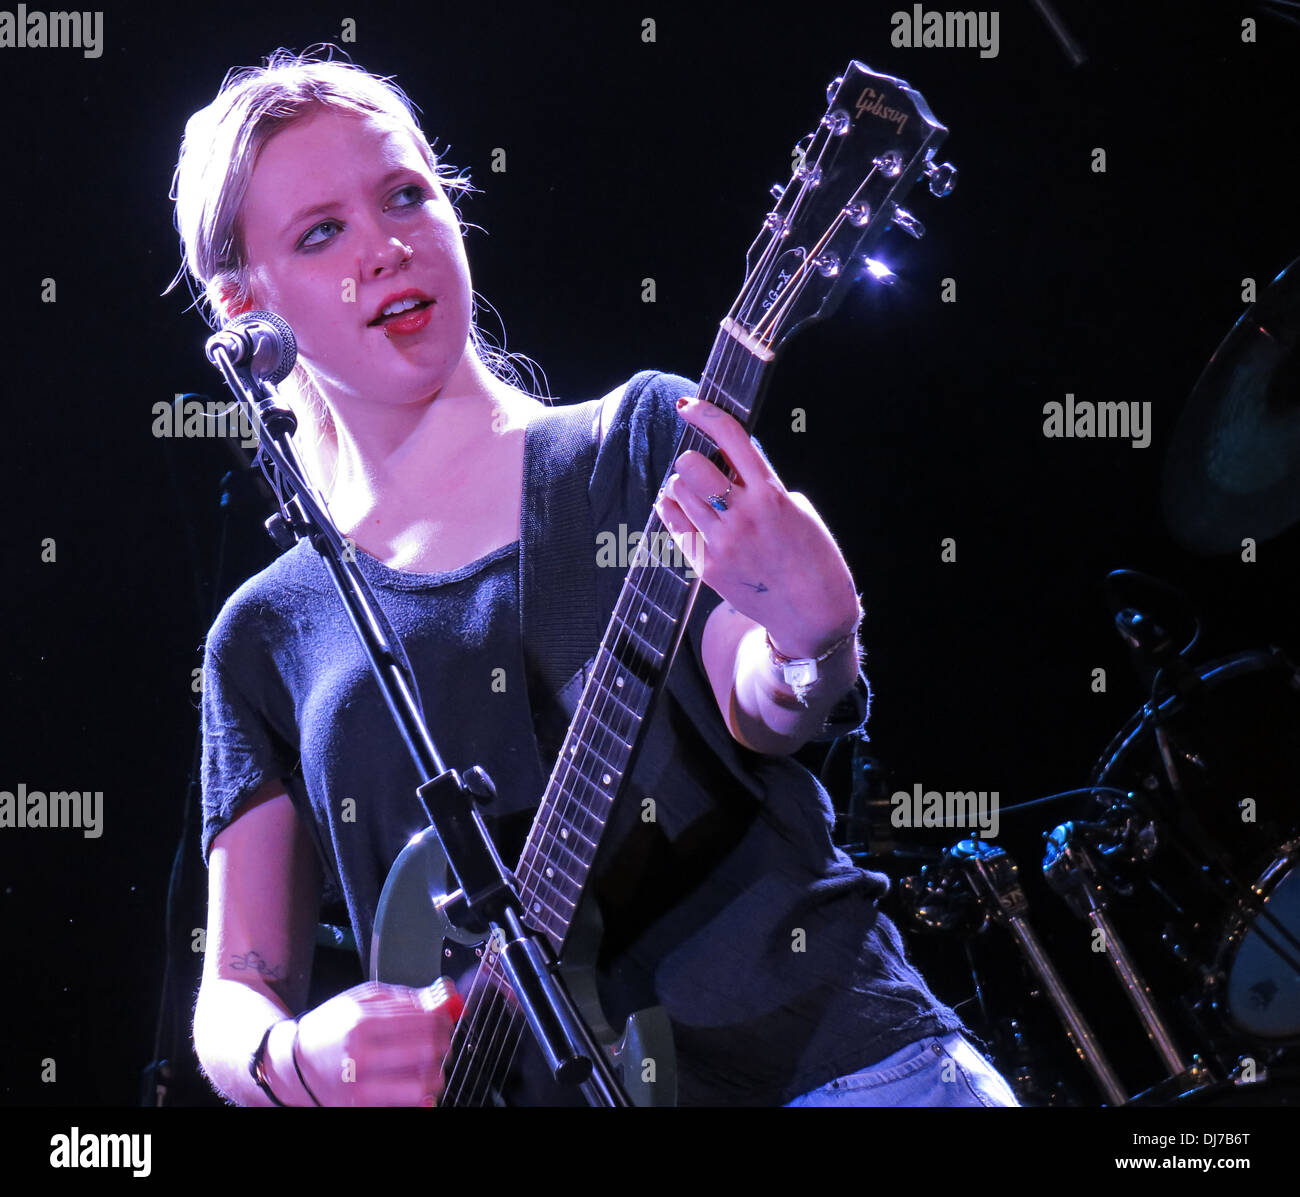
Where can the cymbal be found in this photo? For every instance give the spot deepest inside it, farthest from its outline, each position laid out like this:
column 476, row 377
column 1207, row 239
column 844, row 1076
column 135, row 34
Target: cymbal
column 1233, row 466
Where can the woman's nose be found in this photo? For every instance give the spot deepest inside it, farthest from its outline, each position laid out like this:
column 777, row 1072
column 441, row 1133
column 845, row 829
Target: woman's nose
column 390, row 253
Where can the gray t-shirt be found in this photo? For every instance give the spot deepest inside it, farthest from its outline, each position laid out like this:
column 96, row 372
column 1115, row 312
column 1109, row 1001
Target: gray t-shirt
column 732, row 909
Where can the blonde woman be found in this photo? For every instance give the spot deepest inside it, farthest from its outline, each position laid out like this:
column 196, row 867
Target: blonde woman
column 307, row 188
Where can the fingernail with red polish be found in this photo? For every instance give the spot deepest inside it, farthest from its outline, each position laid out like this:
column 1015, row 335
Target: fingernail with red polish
column 682, row 402
column 455, row 1005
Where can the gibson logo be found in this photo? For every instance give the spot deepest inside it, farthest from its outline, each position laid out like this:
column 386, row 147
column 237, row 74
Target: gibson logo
column 870, row 102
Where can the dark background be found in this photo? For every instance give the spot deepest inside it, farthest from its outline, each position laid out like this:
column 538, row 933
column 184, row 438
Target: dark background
column 628, row 160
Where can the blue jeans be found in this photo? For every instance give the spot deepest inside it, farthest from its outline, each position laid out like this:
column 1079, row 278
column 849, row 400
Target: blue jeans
column 945, row 1071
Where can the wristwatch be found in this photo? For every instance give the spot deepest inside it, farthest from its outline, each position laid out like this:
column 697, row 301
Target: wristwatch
column 801, row 673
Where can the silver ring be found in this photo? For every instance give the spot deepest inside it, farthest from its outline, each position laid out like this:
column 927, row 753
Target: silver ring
column 719, row 502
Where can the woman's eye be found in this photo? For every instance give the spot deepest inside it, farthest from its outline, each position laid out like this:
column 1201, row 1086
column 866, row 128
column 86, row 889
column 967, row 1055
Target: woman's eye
column 309, row 237
column 417, row 192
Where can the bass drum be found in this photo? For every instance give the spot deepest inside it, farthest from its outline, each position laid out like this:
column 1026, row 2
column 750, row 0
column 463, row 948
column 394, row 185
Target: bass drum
column 1217, row 907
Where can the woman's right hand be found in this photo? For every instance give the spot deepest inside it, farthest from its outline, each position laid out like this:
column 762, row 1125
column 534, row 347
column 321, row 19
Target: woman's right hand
column 378, row 1045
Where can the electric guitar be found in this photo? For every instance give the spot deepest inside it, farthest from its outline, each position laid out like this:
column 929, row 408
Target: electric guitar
column 876, row 140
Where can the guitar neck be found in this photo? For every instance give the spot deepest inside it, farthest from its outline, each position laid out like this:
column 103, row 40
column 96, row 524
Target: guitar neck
column 633, row 659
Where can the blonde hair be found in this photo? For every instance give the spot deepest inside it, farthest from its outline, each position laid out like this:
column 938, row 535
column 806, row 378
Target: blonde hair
column 218, row 153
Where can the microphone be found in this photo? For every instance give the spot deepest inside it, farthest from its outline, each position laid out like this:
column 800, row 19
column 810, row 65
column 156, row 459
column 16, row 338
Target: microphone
column 260, row 341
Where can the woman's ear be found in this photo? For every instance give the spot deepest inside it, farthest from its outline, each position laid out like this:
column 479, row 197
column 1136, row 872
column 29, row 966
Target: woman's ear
column 229, row 303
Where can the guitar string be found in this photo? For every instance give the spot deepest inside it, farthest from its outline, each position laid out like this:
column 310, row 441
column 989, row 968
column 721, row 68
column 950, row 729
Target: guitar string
column 494, row 1034
column 653, row 588
column 642, row 581
column 743, row 299
column 771, row 251
column 498, row 1038
column 495, row 1050
column 802, row 275
column 498, row 999
column 778, row 311
column 593, row 746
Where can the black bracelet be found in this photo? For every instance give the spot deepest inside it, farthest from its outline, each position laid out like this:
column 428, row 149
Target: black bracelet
column 293, row 1053
column 257, row 1066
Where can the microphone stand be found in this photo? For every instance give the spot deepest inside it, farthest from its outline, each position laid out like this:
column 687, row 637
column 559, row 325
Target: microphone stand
column 486, row 889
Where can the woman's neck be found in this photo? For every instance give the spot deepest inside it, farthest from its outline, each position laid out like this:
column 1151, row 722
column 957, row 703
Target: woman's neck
column 399, row 459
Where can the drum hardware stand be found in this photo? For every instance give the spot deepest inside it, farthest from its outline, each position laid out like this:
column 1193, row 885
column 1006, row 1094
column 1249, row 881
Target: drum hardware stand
column 1189, row 833
column 991, row 889
column 1199, row 850
column 1071, row 871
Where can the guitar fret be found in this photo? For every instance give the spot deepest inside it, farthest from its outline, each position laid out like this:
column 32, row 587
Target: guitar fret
column 536, row 905
column 731, row 399
column 628, row 668
column 592, row 794
column 548, row 920
column 587, row 731
column 649, row 651
column 581, row 815
column 567, row 836
column 590, row 771
column 552, row 848
column 613, row 704
column 553, row 874
column 547, row 892
column 665, row 571
column 643, row 596
column 624, row 687
column 647, row 623
column 592, row 818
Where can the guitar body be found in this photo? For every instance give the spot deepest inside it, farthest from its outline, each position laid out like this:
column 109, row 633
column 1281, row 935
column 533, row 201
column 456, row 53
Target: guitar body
column 414, row 943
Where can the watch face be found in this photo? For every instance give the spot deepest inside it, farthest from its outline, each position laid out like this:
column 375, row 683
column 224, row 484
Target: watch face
column 800, row 674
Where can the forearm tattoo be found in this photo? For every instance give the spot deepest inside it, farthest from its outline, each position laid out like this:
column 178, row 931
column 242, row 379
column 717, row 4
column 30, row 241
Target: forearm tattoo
column 254, row 962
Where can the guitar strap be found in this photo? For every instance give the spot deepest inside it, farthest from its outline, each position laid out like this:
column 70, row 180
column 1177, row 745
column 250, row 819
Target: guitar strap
column 557, row 576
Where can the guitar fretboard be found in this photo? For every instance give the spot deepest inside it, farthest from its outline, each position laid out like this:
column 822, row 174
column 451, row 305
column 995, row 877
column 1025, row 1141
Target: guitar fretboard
column 637, row 650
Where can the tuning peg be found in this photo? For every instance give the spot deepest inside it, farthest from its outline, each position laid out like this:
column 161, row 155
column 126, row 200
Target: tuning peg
column 837, row 121
column 908, row 223
column 778, row 191
column 827, row 265
column 890, row 164
column 832, row 87
column 942, row 178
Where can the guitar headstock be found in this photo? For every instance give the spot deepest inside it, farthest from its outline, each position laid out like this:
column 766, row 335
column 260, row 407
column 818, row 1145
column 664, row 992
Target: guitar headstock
column 875, row 142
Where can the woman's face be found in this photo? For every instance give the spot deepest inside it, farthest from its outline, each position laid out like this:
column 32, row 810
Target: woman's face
column 334, row 203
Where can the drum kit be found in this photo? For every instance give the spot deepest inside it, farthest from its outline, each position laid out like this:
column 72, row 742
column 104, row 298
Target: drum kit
column 1151, row 956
